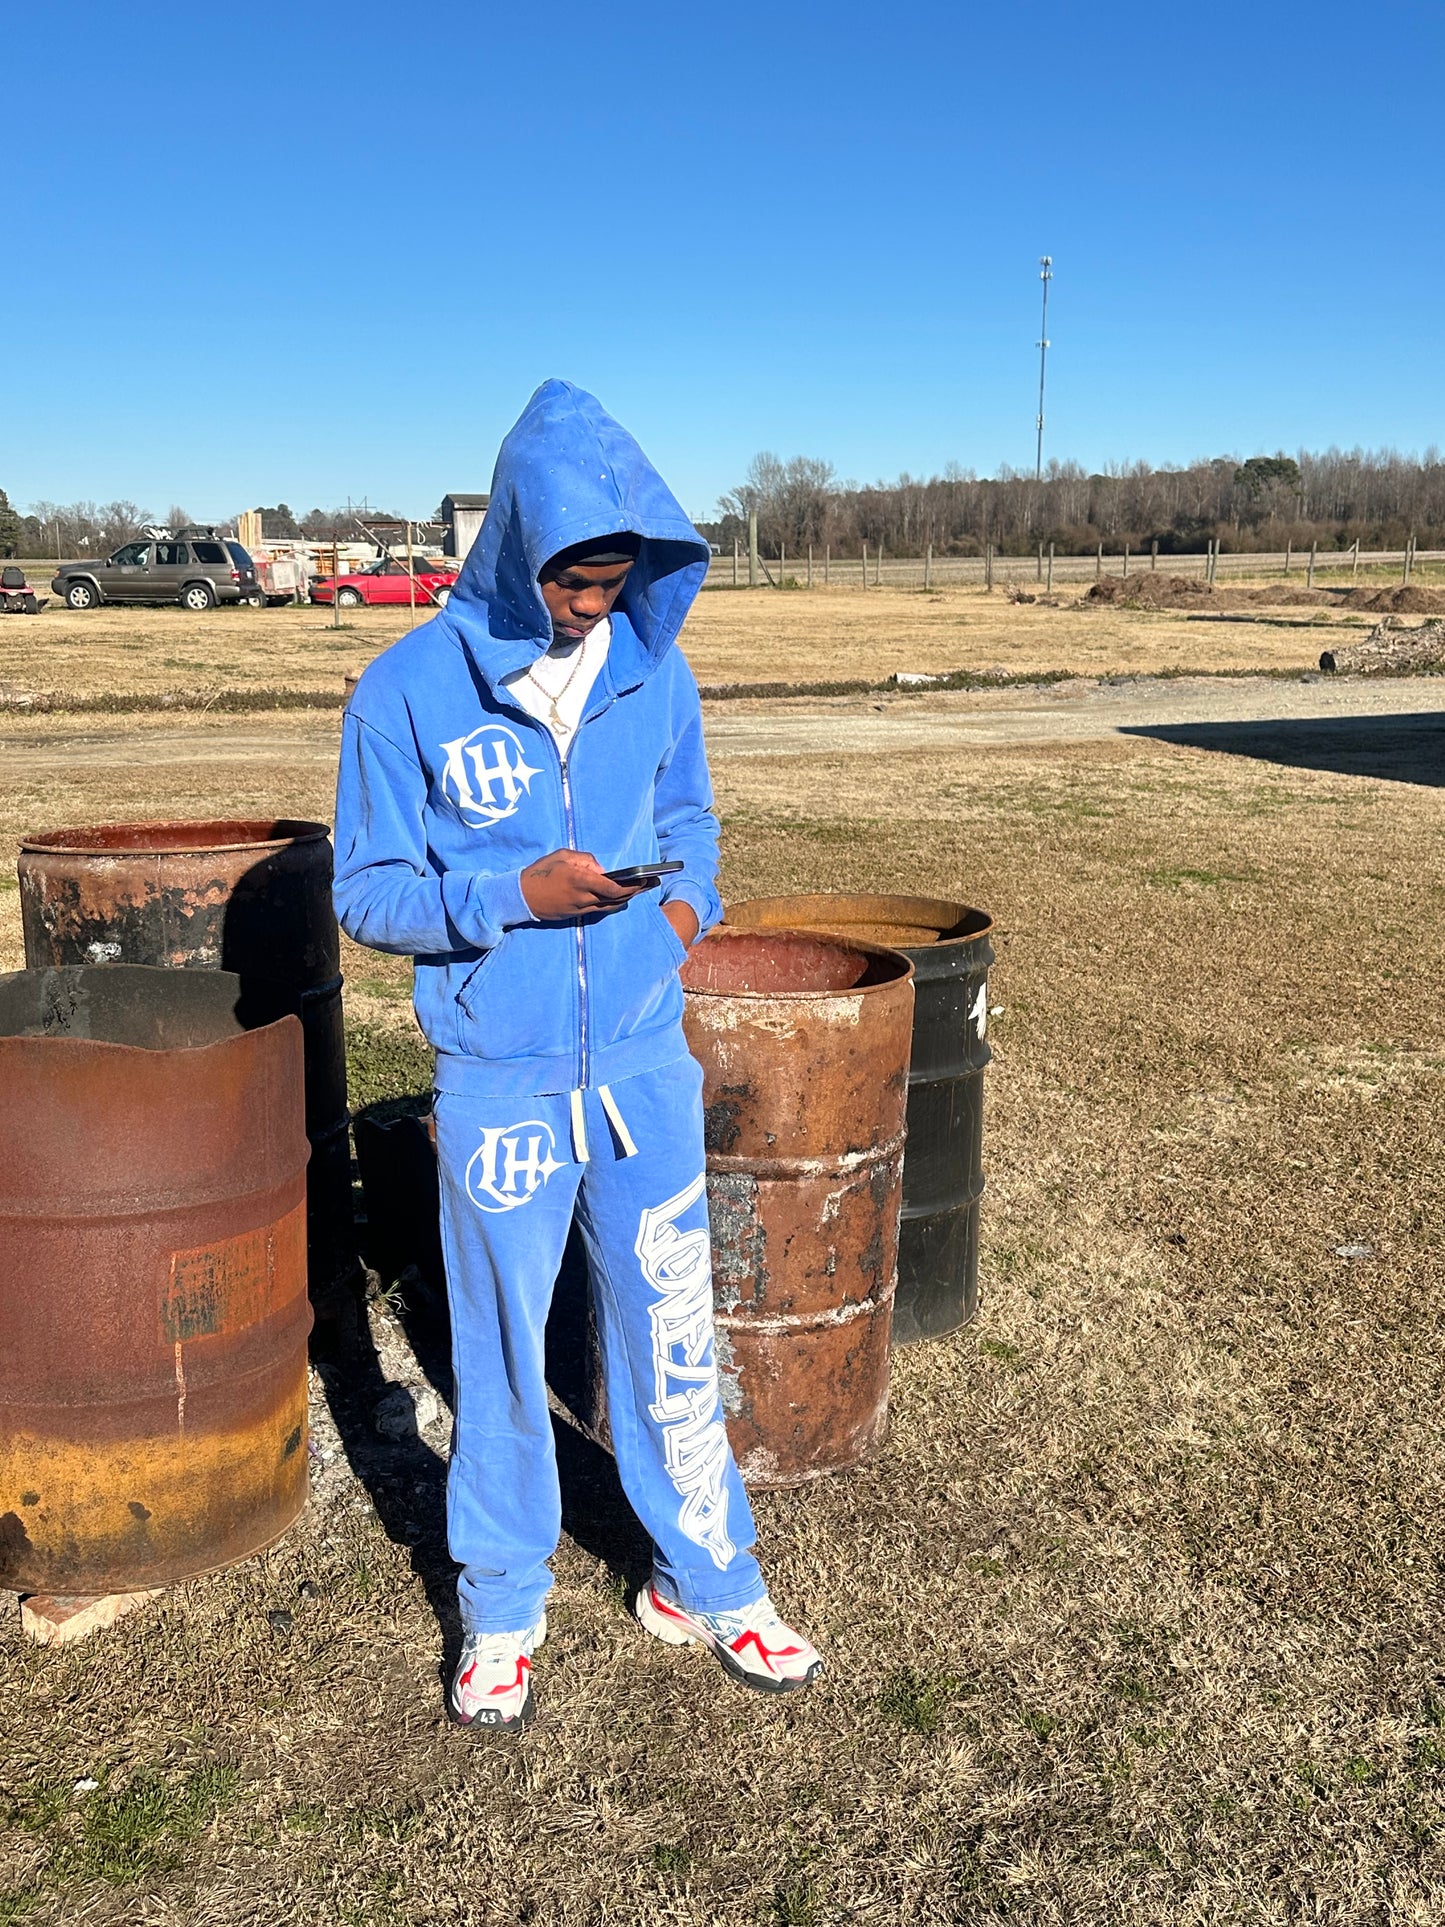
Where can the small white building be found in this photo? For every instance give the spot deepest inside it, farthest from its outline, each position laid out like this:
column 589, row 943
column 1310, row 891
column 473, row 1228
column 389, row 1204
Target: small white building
column 463, row 516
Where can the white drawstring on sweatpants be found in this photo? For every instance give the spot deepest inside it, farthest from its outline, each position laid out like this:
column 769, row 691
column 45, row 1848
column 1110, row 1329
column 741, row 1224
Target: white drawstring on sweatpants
column 614, row 1118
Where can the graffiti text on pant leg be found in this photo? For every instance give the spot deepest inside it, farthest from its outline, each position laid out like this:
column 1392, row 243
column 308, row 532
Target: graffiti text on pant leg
column 678, row 1266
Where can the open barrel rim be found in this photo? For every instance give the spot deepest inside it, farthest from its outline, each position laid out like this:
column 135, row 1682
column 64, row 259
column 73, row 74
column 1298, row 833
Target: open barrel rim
column 175, row 836
column 859, row 910
column 887, row 953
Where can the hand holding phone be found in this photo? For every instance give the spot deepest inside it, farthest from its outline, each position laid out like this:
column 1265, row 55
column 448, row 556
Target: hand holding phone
column 643, row 876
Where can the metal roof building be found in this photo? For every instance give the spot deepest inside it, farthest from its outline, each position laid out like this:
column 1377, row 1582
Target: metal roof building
column 463, row 516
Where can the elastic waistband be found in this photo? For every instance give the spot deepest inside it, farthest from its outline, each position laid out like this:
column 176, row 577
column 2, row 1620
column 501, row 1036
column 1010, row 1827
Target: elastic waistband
column 466, row 1076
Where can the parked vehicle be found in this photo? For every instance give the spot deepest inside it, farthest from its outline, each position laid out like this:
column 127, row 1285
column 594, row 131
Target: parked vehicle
column 251, row 589
column 193, row 566
column 17, row 598
column 386, row 581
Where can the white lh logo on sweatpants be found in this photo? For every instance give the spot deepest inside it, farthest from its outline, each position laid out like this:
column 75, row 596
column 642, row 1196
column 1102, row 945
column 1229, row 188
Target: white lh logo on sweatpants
column 678, row 1266
column 487, row 773
column 514, row 1162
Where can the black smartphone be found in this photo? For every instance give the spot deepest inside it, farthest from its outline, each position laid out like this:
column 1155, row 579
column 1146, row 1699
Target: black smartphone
column 644, row 876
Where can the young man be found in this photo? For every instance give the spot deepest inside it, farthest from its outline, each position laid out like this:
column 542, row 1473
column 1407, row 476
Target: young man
column 540, row 731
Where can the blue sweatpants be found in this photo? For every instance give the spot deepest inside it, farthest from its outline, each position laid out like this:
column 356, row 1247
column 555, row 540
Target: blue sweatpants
column 511, row 1181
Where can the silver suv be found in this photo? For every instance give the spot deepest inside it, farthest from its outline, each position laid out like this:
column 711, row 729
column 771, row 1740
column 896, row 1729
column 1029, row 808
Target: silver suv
column 193, row 566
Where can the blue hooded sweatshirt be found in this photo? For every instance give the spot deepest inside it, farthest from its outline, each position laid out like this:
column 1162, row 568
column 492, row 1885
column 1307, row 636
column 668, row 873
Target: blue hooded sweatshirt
column 448, row 789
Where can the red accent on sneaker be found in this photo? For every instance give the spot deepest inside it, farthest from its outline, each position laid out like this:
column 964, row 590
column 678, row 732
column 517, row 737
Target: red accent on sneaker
column 665, row 1606
column 765, row 1653
column 524, row 1665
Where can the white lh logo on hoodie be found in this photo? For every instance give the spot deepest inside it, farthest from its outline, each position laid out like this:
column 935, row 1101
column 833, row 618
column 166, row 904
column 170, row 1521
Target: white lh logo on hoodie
column 487, row 774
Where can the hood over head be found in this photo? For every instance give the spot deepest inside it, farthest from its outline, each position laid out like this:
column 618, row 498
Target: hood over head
column 568, row 473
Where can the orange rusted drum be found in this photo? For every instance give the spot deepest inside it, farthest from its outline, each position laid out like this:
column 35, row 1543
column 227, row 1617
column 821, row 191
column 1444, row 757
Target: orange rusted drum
column 948, row 944
column 804, row 1042
column 248, row 896
column 153, row 1310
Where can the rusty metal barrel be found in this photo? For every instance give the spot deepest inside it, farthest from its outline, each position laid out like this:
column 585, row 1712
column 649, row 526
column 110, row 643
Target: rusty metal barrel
column 803, row 1041
column 153, row 1309
column 943, row 1182
column 247, row 896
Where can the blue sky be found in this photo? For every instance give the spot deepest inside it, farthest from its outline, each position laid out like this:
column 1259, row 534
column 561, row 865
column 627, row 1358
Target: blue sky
column 299, row 255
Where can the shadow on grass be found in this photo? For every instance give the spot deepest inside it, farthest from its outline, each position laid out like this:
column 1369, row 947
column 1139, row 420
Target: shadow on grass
column 406, row 1480
column 1402, row 749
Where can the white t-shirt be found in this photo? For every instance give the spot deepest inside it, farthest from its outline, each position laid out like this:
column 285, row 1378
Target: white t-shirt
column 560, row 675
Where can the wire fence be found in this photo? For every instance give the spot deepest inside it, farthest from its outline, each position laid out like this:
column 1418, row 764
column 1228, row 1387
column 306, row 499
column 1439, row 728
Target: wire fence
column 825, row 569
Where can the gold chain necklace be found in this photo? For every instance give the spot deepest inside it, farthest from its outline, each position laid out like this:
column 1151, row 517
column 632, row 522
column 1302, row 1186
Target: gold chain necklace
column 552, row 699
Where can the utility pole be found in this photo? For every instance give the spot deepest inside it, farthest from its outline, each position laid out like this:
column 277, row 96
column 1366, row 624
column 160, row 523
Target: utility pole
column 1046, row 275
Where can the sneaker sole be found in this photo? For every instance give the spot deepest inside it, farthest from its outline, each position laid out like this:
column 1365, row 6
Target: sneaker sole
column 671, row 1634
column 479, row 1723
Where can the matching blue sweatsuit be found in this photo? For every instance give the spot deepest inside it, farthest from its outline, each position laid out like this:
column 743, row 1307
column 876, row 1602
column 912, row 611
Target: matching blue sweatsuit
column 563, row 1081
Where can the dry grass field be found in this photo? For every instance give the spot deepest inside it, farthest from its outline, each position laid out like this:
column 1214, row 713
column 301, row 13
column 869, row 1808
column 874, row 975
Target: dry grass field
column 1138, row 1615
column 731, row 636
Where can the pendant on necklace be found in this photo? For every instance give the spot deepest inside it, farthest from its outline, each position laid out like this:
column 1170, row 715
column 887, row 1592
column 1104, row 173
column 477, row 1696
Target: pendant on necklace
column 562, row 729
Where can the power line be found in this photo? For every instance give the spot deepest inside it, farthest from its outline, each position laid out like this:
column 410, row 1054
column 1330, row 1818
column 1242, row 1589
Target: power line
column 1046, row 275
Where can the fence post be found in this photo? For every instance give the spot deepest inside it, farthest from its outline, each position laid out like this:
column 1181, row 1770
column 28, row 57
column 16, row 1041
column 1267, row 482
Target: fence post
column 810, row 565
column 782, row 564
column 988, row 567
column 878, row 566
column 752, row 548
column 827, row 557
column 1310, row 571
column 1355, row 564
column 1287, row 547
column 1049, row 585
column 736, row 546
column 1409, row 556
column 1126, row 561
column 1213, row 559
column 865, row 565
column 1099, row 563
column 1039, row 564
column 1154, row 553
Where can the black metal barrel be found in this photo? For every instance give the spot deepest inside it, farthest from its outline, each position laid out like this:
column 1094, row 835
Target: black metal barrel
column 943, row 1182
column 251, row 897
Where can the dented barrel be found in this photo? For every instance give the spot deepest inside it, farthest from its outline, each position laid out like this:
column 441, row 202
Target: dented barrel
column 153, row 1309
column 803, row 1041
column 949, row 946
column 248, row 896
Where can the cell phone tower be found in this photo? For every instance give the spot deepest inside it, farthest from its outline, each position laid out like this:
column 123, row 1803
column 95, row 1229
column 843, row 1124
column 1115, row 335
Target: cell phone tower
column 1046, row 275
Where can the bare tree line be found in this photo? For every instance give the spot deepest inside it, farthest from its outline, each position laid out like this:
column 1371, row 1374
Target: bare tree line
column 1263, row 503
column 69, row 530
column 1377, row 497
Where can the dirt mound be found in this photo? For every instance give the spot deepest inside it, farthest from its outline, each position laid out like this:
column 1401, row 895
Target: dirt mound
column 1389, row 650
column 1405, row 599
column 1152, row 591
column 1290, row 595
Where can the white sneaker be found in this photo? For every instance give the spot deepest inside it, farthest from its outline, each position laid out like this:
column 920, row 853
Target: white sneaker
column 752, row 1643
column 493, row 1684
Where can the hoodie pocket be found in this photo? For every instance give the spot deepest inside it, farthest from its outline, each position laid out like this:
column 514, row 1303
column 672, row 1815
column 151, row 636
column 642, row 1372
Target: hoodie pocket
column 636, row 955
column 519, row 1000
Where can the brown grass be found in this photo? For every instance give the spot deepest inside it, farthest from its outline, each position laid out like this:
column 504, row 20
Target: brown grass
column 1137, row 1616
column 825, row 635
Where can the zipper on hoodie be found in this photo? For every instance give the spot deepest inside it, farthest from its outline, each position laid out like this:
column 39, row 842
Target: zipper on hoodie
column 572, row 844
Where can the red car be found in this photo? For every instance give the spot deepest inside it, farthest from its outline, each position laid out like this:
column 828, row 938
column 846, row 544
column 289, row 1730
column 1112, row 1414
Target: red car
column 387, row 581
